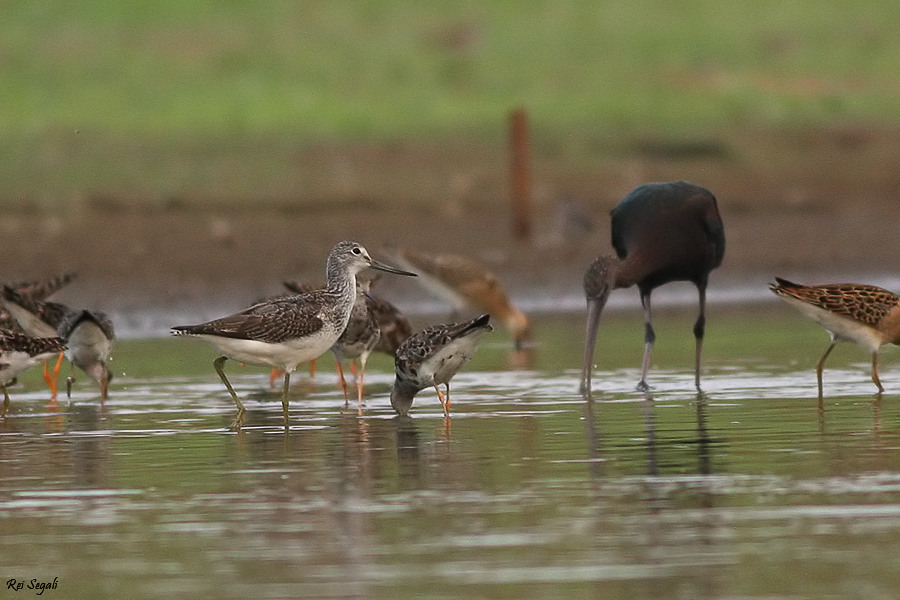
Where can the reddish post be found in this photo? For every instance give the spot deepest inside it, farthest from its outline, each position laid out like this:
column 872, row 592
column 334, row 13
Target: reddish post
column 520, row 175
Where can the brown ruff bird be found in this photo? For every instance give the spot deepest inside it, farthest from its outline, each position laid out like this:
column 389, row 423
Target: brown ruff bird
column 864, row 314
column 465, row 283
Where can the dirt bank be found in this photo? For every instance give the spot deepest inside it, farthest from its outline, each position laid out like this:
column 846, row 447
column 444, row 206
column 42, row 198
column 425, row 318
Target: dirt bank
column 820, row 202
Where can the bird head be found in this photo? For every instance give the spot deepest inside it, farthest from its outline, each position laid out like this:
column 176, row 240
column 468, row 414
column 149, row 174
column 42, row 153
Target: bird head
column 355, row 257
column 519, row 326
column 402, row 395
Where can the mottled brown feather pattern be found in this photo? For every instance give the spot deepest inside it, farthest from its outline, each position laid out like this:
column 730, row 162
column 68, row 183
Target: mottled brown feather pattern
column 20, row 342
column 274, row 321
column 867, row 304
column 424, row 344
column 395, row 327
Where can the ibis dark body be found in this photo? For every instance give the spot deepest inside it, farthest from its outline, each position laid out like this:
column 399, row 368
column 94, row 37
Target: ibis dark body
column 661, row 232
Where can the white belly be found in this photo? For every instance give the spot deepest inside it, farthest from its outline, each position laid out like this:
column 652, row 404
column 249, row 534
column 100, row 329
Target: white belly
column 840, row 327
column 285, row 356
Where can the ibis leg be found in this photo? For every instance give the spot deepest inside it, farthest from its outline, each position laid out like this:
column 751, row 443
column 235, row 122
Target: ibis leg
column 649, row 340
column 699, row 330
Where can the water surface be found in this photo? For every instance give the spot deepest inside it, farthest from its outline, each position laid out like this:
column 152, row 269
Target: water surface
column 754, row 489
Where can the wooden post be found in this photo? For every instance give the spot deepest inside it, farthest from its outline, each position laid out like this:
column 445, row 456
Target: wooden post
column 520, row 175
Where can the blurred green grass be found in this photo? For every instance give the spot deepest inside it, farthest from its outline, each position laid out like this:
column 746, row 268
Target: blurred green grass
column 152, row 98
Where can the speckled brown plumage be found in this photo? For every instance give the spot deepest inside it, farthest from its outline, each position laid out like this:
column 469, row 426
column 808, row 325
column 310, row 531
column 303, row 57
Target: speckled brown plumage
column 273, row 321
column 32, row 291
column 432, row 357
column 394, row 326
column 865, row 314
column 19, row 352
column 867, row 304
column 43, row 317
column 41, row 289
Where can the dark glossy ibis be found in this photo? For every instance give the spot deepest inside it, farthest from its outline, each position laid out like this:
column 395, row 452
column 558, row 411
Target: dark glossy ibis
column 661, row 232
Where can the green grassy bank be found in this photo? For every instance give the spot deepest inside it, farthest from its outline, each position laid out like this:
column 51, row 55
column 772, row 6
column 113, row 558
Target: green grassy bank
column 153, row 98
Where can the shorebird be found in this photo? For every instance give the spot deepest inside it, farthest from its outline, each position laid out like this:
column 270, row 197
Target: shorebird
column 89, row 336
column 371, row 314
column 661, row 232
column 865, row 314
column 285, row 332
column 357, row 341
column 37, row 318
column 432, row 357
column 465, row 283
column 41, row 289
column 19, row 352
column 394, row 326
column 37, row 289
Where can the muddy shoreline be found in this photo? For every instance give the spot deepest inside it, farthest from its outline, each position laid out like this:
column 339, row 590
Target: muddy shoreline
column 831, row 214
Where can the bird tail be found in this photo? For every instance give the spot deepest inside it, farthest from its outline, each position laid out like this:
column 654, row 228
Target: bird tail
column 781, row 285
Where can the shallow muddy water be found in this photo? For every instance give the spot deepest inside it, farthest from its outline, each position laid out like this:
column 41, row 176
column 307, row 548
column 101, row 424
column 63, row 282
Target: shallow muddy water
column 754, row 489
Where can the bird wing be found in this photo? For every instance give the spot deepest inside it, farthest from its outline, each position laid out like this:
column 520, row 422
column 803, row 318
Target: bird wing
column 274, row 321
column 42, row 289
column 867, row 304
column 431, row 340
column 73, row 318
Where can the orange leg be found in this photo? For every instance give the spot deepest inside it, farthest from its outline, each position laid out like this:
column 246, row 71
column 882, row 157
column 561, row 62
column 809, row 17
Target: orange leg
column 274, row 374
column 445, row 400
column 52, row 379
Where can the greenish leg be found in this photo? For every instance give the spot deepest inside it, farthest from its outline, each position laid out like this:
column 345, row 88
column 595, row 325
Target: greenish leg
column 239, row 418
column 284, row 396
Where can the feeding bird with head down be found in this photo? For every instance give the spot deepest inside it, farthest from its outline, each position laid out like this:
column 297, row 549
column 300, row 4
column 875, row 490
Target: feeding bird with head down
column 465, row 283
column 19, row 352
column 661, row 232
column 432, row 357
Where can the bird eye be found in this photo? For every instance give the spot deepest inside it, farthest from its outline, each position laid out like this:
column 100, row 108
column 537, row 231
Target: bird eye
column 356, row 250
